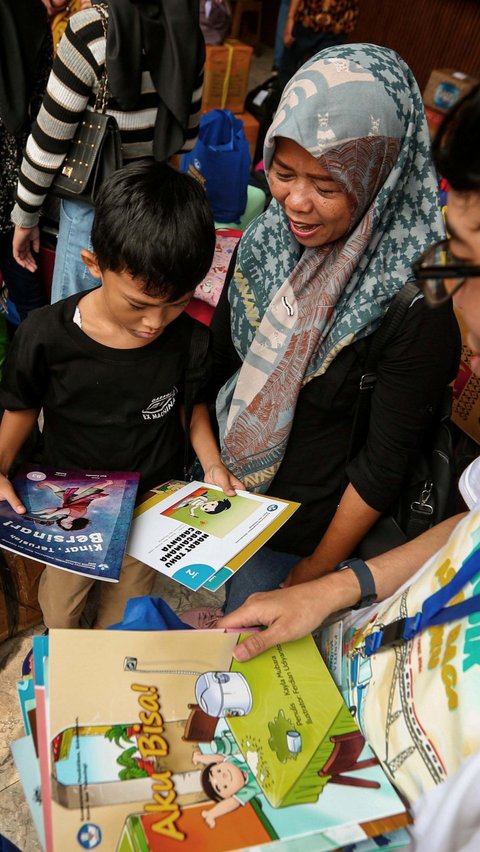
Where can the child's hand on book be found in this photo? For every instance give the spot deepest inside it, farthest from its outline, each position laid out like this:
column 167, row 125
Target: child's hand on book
column 218, row 474
column 7, row 493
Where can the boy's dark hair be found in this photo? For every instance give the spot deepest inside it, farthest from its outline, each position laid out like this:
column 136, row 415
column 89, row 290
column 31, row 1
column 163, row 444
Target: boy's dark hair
column 77, row 524
column 154, row 223
column 207, row 785
column 220, row 507
column 456, row 147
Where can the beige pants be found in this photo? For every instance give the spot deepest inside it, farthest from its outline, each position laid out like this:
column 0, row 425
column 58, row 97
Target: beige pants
column 63, row 594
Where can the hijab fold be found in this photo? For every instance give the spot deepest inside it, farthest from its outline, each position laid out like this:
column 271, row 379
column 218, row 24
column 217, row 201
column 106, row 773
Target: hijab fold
column 358, row 110
column 169, row 33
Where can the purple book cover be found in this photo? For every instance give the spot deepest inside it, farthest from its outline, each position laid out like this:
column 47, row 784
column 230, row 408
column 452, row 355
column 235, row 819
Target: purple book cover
column 75, row 520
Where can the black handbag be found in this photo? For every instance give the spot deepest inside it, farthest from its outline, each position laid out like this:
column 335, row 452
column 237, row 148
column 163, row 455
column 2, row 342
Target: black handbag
column 96, row 148
column 428, row 496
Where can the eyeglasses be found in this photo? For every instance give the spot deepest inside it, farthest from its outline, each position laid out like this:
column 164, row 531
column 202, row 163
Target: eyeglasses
column 439, row 275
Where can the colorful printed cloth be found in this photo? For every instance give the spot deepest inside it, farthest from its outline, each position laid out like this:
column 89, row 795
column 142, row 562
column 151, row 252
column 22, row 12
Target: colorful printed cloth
column 328, row 16
column 358, row 110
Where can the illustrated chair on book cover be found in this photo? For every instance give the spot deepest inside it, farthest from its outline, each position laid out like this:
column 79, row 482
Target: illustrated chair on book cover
column 344, row 758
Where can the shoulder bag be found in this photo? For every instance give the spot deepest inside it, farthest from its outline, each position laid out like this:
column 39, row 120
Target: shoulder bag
column 96, row 148
column 428, row 495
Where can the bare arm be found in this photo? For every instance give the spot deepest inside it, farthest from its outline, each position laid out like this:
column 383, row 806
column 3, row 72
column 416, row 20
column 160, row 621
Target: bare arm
column 205, row 445
column 349, row 525
column 226, row 806
column 14, row 431
column 292, row 613
column 206, row 759
column 288, row 38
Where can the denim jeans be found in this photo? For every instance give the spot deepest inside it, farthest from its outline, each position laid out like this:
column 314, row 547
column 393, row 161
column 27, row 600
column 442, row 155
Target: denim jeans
column 264, row 571
column 70, row 275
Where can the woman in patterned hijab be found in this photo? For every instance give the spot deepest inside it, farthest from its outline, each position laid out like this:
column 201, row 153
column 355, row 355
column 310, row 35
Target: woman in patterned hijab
column 354, row 202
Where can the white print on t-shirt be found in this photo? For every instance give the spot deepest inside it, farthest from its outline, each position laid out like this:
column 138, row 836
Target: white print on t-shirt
column 160, row 405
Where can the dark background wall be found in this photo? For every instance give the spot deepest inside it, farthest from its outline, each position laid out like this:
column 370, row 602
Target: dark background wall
column 427, row 33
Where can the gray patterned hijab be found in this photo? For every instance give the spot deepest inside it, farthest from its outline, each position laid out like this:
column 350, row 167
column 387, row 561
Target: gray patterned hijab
column 358, row 110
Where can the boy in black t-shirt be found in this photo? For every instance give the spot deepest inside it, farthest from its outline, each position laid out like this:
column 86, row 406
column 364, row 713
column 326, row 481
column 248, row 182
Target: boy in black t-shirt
column 107, row 367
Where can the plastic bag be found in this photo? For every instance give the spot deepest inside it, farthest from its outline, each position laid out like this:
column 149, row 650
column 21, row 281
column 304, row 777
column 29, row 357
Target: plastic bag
column 221, row 161
column 215, row 18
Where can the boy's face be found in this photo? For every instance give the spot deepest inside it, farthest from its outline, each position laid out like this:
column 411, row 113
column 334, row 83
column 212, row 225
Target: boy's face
column 226, row 778
column 463, row 223
column 132, row 311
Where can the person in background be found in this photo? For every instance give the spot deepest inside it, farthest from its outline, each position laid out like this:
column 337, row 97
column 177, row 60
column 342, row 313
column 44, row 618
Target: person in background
column 355, row 198
column 311, row 26
column 25, row 62
column 439, row 668
column 154, row 53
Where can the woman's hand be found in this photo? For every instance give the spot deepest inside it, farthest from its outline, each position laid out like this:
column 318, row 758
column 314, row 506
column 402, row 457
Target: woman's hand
column 26, row 241
column 287, row 613
column 219, row 475
column 7, row 493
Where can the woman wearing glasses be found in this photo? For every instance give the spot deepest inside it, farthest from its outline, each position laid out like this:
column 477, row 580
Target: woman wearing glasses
column 354, row 202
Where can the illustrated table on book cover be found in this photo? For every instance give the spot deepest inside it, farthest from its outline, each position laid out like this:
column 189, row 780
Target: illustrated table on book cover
column 161, row 741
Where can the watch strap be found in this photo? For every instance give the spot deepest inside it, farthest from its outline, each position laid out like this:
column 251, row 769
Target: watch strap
column 368, row 592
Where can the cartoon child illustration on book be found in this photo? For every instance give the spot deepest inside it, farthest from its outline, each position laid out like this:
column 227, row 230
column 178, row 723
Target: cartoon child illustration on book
column 203, row 502
column 75, row 502
column 228, row 781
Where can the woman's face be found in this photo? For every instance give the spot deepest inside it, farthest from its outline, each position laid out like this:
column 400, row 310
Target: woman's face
column 318, row 209
column 463, row 224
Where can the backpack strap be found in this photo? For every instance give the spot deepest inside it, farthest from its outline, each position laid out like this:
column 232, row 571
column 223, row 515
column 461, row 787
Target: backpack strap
column 194, row 378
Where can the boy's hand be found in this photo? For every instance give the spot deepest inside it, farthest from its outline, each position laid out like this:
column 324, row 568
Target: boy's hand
column 7, row 493
column 219, row 475
column 195, row 757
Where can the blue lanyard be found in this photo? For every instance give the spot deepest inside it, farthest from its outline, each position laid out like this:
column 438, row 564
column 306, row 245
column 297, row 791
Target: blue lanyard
column 434, row 610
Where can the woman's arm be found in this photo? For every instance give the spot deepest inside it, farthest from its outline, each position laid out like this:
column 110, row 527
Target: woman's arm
column 351, row 522
column 292, row 613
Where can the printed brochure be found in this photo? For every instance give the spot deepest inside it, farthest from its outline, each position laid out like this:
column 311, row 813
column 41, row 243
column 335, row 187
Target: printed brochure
column 75, row 520
column 196, row 535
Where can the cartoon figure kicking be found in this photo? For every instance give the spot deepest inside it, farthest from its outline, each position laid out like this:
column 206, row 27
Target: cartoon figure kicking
column 228, row 781
column 71, row 515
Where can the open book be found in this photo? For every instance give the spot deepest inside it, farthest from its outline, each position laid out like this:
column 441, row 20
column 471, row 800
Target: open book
column 196, row 535
column 154, row 742
column 75, row 520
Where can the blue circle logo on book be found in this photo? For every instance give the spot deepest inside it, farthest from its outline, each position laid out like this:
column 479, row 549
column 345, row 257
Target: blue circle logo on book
column 89, row 835
column 193, row 576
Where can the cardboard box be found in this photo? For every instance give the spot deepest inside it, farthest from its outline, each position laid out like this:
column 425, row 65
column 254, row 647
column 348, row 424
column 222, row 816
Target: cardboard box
column 250, row 126
column 227, row 67
column 445, row 87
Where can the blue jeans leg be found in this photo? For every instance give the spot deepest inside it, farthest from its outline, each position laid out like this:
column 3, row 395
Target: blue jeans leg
column 264, row 571
column 70, row 275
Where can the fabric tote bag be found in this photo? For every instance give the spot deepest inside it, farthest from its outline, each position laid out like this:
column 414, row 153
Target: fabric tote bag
column 221, row 161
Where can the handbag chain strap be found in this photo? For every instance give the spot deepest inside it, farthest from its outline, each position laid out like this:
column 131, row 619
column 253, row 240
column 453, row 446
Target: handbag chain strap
column 103, row 92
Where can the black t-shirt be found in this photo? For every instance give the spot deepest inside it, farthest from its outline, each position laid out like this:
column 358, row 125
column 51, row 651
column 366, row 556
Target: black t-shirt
column 104, row 408
column 413, row 372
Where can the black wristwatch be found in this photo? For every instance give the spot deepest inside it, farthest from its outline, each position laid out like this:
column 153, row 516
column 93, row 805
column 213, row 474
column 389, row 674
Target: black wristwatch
column 368, row 592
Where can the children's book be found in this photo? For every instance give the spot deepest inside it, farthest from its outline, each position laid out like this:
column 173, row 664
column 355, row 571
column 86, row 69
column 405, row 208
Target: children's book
column 162, row 741
column 196, row 535
column 75, row 520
